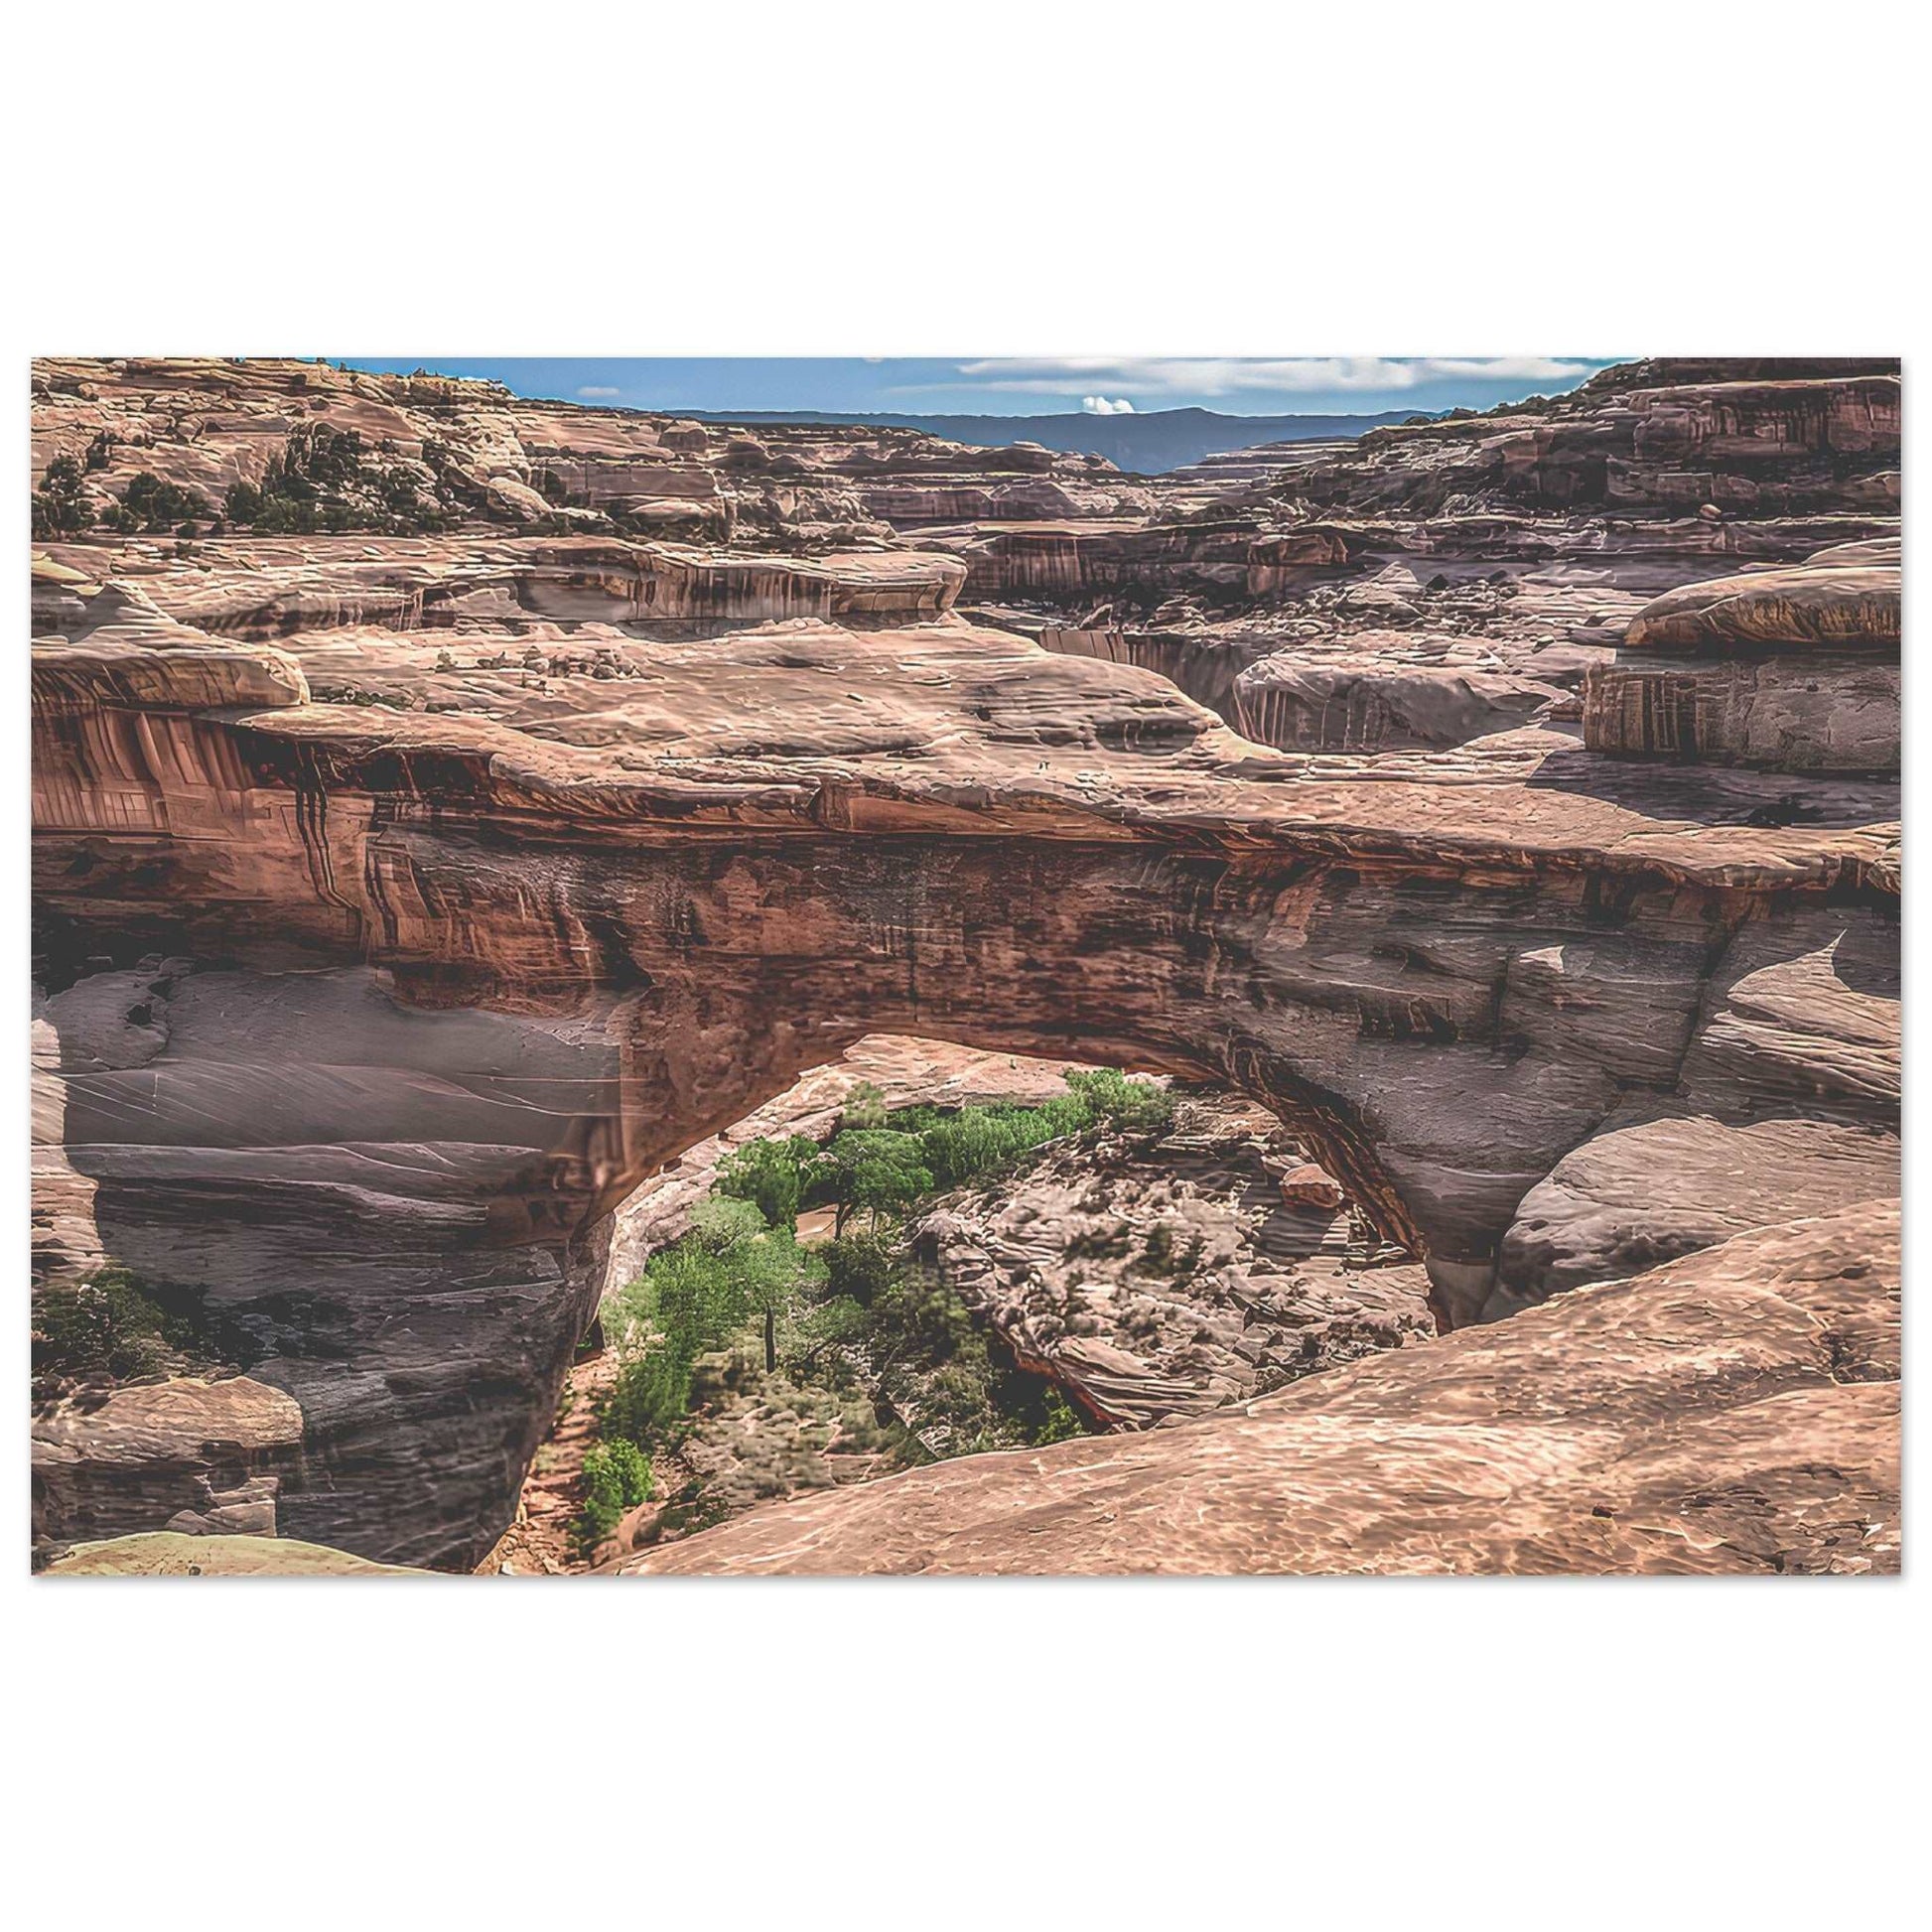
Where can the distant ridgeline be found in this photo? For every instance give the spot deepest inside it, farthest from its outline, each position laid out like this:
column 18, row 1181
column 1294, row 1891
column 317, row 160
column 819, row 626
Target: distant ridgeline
column 1159, row 439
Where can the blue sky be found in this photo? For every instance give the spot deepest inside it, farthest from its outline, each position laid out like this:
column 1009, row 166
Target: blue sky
column 1037, row 385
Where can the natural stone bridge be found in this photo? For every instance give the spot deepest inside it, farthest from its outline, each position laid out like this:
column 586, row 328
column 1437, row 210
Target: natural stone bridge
column 362, row 1020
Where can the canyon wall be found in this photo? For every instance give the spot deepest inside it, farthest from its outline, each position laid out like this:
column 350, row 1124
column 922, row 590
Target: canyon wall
column 402, row 904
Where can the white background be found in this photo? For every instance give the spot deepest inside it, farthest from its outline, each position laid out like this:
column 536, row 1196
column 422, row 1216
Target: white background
column 975, row 179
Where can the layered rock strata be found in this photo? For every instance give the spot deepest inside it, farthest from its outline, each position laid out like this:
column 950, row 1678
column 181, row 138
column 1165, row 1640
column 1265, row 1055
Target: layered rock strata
column 382, row 957
column 1795, row 669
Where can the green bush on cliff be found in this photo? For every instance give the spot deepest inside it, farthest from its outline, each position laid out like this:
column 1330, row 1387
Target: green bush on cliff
column 106, row 1326
column 1058, row 1421
column 617, row 1476
column 152, row 504
column 325, row 479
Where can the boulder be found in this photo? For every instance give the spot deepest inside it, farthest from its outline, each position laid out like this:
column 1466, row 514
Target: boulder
column 1311, row 1187
column 1829, row 608
column 517, row 498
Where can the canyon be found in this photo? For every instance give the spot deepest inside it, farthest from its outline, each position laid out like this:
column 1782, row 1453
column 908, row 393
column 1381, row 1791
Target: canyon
column 1507, row 804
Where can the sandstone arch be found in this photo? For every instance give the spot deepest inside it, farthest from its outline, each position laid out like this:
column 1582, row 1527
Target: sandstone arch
column 367, row 1019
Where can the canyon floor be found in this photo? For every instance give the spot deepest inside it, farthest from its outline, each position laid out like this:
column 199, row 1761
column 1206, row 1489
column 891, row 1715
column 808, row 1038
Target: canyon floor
column 464, row 826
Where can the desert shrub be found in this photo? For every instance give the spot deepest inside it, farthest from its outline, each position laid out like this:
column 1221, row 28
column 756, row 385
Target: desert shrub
column 106, row 1326
column 861, row 1266
column 401, row 498
column 617, row 1476
column 865, row 1106
column 1132, row 1106
column 1156, row 1254
column 1058, row 1422
column 318, row 459
column 1099, row 1244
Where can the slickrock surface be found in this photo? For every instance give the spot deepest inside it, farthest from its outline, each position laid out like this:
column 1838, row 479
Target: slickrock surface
column 167, row 1552
column 1738, row 1411
column 404, row 902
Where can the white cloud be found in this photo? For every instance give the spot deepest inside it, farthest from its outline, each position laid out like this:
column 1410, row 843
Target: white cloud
column 1100, row 406
column 1234, row 375
column 593, row 389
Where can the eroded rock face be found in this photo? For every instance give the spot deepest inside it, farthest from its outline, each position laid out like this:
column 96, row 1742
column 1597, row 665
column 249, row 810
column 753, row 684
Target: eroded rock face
column 1796, row 670
column 1738, row 1411
column 480, row 456
column 215, row 1453
column 1438, row 581
column 382, row 960
column 1175, row 1277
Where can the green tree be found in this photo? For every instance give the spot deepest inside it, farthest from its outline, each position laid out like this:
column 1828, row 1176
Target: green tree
column 771, row 1174
column 60, row 505
column 731, row 1270
column 155, row 505
column 876, row 1168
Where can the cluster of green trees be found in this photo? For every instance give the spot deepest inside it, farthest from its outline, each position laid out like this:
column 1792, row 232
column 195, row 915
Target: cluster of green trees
column 858, row 1307
column 735, row 1270
column 61, row 507
column 325, row 479
column 886, row 1169
column 151, row 504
